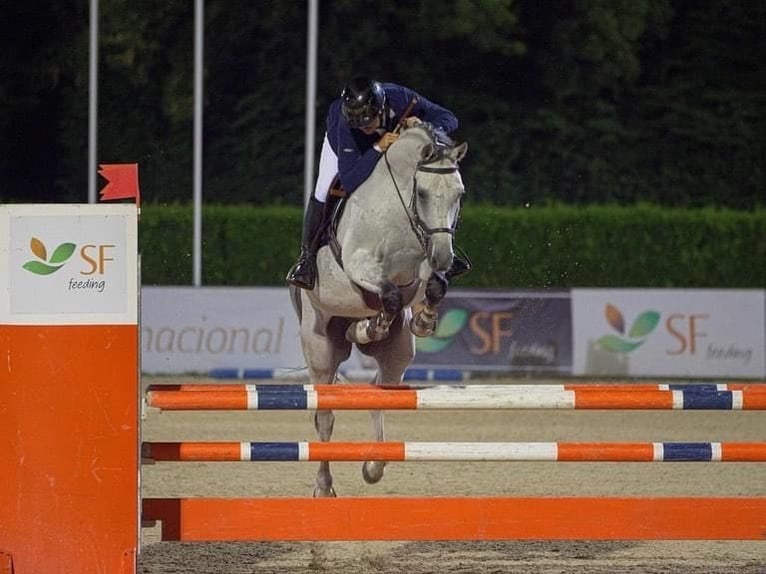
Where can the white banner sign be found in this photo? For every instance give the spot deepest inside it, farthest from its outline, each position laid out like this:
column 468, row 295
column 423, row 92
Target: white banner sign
column 669, row 333
column 188, row 329
column 68, row 264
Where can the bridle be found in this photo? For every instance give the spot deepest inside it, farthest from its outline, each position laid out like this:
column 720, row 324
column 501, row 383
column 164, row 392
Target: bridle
column 419, row 227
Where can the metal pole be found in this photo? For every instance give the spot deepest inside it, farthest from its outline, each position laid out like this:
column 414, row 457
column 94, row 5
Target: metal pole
column 199, row 25
column 311, row 89
column 93, row 102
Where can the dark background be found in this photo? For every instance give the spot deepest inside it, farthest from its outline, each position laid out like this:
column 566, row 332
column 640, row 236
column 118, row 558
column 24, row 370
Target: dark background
column 561, row 101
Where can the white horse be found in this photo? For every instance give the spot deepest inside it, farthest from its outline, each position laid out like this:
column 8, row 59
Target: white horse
column 389, row 252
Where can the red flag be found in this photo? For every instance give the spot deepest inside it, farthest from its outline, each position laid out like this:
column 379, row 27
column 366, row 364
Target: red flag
column 122, row 181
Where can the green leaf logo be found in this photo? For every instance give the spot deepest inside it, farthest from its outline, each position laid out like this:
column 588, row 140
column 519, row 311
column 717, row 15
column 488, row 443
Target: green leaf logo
column 431, row 344
column 46, row 266
column 451, row 323
column 616, row 345
column 644, row 324
column 639, row 331
column 62, row 253
column 448, row 326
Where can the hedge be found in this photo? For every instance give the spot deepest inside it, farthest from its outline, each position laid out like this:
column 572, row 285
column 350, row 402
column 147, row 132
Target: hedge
column 512, row 248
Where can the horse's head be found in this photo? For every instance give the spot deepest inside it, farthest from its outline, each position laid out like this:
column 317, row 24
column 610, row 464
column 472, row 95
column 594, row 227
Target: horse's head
column 437, row 190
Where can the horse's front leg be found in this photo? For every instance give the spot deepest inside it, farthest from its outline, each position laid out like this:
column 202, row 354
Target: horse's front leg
column 376, row 328
column 423, row 323
column 369, row 330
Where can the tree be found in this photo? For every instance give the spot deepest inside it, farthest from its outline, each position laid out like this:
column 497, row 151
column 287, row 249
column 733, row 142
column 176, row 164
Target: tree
column 565, row 100
column 42, row 130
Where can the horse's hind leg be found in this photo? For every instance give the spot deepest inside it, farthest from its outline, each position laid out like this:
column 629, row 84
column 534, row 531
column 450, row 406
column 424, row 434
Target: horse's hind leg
column 372, row 470
column 393, row 356
column 323, row 357
column 324, row 422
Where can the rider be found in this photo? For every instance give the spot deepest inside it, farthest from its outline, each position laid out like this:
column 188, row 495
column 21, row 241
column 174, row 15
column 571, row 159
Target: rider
column 361, row 125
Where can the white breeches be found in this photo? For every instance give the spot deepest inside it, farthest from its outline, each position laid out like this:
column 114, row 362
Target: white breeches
column 328, row 169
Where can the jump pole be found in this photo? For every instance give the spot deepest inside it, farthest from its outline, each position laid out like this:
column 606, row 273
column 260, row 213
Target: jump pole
column 441, row 398
column 445, row 518
column 364, row 387
column 69, row 497
column 455, row 451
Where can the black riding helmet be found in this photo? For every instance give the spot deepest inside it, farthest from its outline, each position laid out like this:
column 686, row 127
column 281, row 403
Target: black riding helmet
column 362, row 101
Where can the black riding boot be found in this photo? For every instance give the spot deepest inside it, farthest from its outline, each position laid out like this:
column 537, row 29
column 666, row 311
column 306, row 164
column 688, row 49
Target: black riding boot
column 461, row 265
column 304, row 273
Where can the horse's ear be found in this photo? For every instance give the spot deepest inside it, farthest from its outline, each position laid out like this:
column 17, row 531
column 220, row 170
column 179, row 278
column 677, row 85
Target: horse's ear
column 460, row 151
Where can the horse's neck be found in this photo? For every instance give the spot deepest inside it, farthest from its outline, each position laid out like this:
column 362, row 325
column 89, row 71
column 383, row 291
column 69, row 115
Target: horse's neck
column 390, row 182
column 382, row 193
column 404, row 155
column 387, row 193
column 398, row 166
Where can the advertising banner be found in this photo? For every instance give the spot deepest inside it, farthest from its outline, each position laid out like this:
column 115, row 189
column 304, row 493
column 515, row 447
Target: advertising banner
column 68, row 264
column 669, row 333
column 195, row 330
column 503, row 331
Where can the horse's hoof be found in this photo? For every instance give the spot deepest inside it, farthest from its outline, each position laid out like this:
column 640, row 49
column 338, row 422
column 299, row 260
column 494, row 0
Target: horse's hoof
column 324, row 493
column 372, row 471
column 423, row 323
column 421, row 327
column 364, row 332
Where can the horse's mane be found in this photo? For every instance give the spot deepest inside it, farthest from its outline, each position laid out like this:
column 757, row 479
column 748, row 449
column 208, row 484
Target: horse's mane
column 437, row 135
column 440, row 141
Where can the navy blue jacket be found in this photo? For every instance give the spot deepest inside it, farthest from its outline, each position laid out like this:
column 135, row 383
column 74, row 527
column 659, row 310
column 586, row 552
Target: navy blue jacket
column 356, row 155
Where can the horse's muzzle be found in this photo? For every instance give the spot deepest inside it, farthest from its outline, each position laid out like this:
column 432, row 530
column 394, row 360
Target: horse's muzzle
column 440, row 252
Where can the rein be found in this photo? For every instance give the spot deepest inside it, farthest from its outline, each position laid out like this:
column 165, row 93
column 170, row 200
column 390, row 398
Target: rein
column 418, row 226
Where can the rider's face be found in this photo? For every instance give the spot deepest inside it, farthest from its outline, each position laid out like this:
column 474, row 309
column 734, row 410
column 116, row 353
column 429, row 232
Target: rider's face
column 371, row 127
